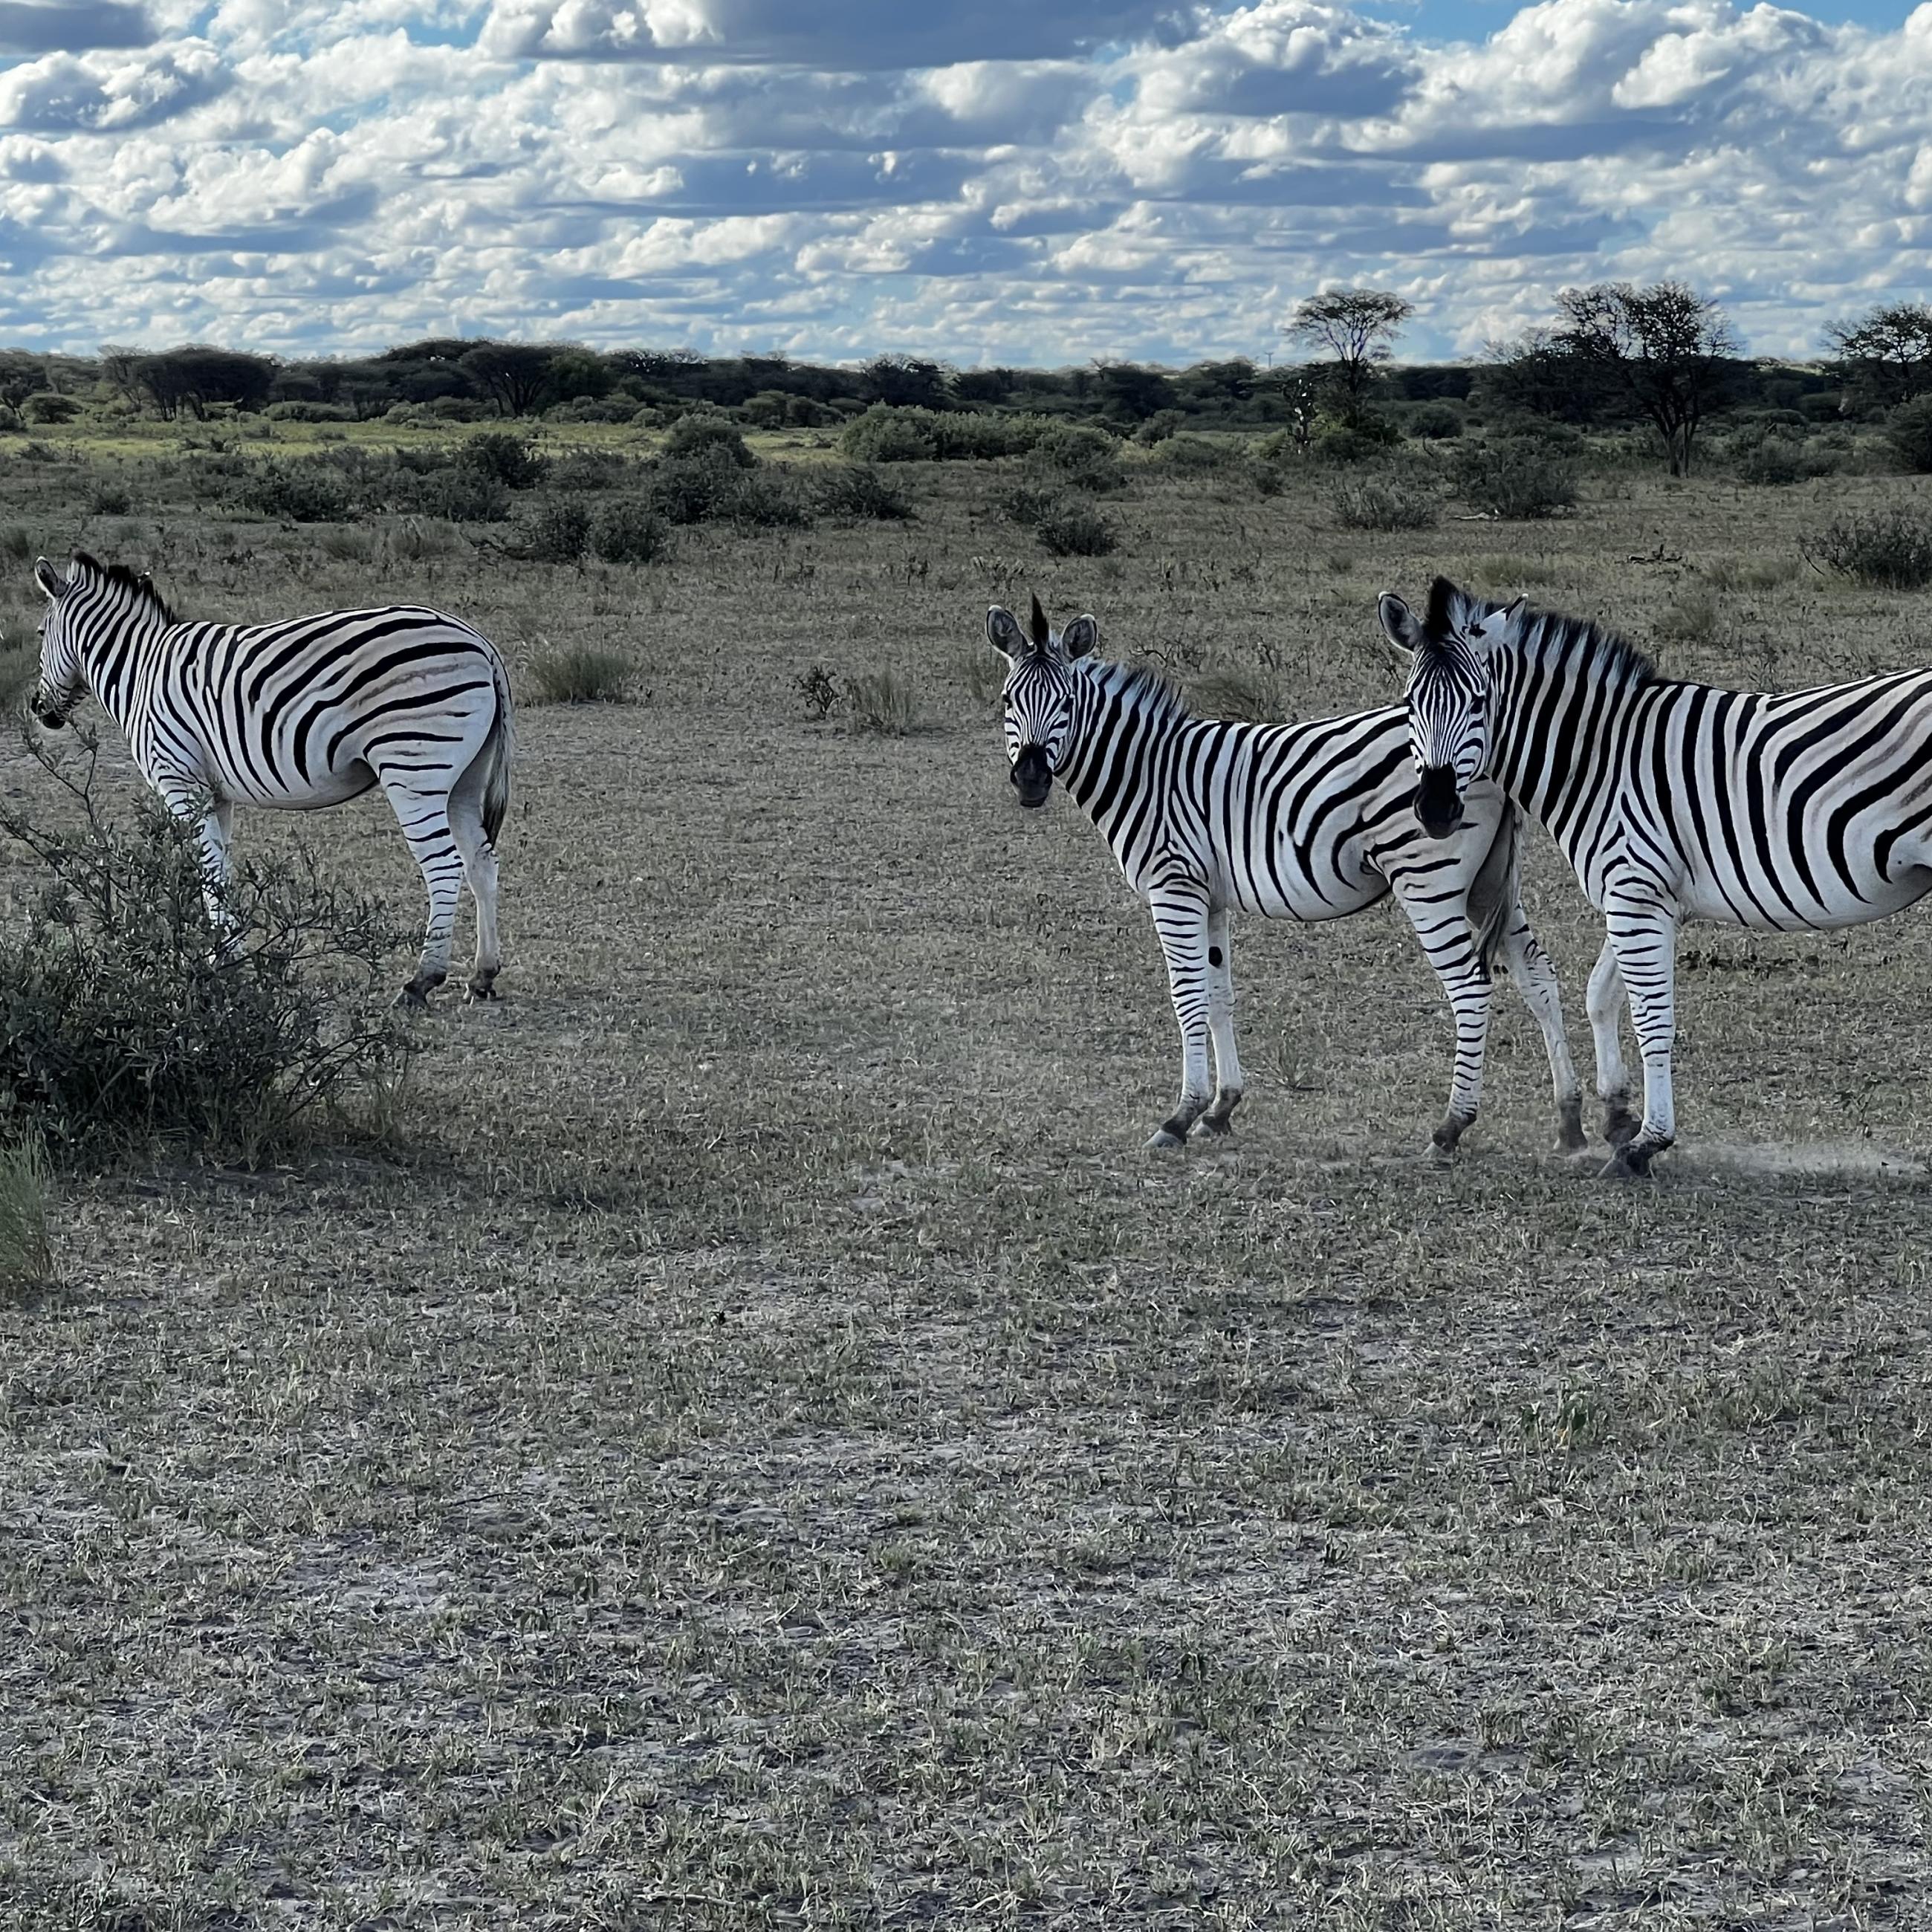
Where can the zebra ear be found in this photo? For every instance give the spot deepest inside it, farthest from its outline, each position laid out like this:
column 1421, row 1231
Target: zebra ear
column 1400, row 631
column 1080, row 636
column 1002, row 632
column 47, row 577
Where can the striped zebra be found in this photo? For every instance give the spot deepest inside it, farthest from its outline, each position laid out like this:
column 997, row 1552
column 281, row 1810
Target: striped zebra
column 1673, row 801
column 307, row 712
column 1309, row 822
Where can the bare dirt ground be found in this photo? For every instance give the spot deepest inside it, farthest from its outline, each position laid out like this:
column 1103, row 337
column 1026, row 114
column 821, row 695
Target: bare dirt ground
column 763, row 1446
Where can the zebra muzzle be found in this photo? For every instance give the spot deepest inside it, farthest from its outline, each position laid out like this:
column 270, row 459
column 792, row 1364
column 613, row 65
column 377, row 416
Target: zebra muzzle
column 50, row 716
column 1032, row 776
column 1438, row 805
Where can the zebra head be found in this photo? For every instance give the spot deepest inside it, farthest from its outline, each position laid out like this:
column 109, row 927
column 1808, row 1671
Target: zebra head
column 1038, row 700
column 61, row 685
column 1450, row 687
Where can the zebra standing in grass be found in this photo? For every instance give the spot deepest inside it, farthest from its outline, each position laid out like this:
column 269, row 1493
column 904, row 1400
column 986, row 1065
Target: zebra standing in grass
column 1308, row 821
column 1673, row 801
column 307, row 712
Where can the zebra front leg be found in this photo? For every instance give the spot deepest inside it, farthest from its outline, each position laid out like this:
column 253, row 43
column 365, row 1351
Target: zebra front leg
column 425, row 818
column 1443, row 928
column 1228, row 1085
column 213, row 819
column 1535, row 979
column 1645, row 939
column 1181, row 919
column 1606, row 1000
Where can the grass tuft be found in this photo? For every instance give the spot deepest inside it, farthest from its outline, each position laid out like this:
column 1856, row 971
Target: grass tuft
column 581, row 674
column 26, row 1255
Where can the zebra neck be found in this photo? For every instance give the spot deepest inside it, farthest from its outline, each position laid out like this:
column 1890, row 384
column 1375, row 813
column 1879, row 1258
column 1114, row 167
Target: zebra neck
column 112, row 659
column 1121, row 720
column 1560, row 728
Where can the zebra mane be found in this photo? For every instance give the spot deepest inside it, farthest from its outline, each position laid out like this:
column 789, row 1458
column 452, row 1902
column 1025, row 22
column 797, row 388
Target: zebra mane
column 1542, row 633
column 140, row 586
column 1149, row 692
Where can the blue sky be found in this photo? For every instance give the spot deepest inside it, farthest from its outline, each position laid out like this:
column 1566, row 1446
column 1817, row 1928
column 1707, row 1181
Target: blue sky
column 1022, row 181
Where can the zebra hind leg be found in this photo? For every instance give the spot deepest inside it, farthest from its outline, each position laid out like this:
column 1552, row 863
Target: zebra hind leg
column 1181, row 920
column 1227, row 1083
column 425, row 818
column 1535, row 979
column 479, row 868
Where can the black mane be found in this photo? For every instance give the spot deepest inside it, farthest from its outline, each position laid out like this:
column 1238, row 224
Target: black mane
column 1144, row 686
column 136, row 582
column 1543, row 633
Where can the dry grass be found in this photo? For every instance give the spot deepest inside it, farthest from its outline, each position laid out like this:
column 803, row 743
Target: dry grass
column 766, row 1449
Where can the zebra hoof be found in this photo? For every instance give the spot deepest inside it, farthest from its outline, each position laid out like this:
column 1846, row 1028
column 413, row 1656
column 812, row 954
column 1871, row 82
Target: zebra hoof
column 1630, row 1162
column 1571, row 1138
column 1165, row 1140
column 1621, row 1127
column 481, row 990
column 1208, row 1128
column 413, row 998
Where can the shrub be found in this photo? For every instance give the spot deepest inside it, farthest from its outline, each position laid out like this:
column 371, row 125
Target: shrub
column 761, row 500
column 882, row 702
column 558, row 533
column 305, row 493
column 1158, row 427
column 1774, row 457
column 1384, row 503
column 1434, row 422
column 127, row 1013
column 463, row 494
column 1909, row 431
column 1089, row 459
column 504, row 458
column 297, row 409
column 1194, row 453
column 629, row 531
column 26, row 1255
column 702, row 435
column 581, row 674
column 588, row 469
column 1076, row 529
column 48, row 406
column 884, row 435
column 1890, row 548
column 708, row 487
column 109, row 500
column 857, row 491
column 1516, row 477
column 1342, row 443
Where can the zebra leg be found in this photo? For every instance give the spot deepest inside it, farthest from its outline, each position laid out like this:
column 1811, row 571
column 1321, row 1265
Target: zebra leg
column 1442, row 925
column 214, row 821
column 1221, row 1028
column 425, row 818
column 479, row 867
column 1645, row 939
column 1535, row 979
column 1607, row 1009
column 1181, row 919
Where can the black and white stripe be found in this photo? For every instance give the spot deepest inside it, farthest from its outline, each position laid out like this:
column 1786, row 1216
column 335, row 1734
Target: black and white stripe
column 1310, row 821
column 1673, row 801
column 299, row 714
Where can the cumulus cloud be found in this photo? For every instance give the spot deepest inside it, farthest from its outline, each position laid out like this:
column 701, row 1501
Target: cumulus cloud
column 67, row 26
column 1018, row 182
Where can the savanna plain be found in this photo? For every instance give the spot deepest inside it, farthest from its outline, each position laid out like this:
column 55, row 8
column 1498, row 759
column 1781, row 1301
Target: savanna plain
column 748, row 1438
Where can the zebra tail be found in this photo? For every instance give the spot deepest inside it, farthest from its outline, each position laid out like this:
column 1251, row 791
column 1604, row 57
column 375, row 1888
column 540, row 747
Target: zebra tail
column 499, row 747
column 1496, row 887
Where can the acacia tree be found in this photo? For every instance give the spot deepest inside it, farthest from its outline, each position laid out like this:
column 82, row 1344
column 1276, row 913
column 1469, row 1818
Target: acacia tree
column 1886, row 355
column 1357, row 328
column 1663, row 351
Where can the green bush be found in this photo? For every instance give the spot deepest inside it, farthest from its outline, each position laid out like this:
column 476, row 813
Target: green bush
column 1774, row 456
column 1089, row 459
column 589, row 470
column 1909, row 431
column 884, row 435
column 581, row 674
column 558, row 531
column 1515, row 477
column 1434, row 422
column 1384, row 503
column 461, row 494
column 298, row 492
column 1341, row 443
column 857, row 492
column 1196, row 453
column 26, row 1255
column 708, row 487
column 299, row 409
column 1076, row 529
column 701, row 435
column 1890, row 548
column 126, row 1013
column 504, row 458
column 48, row 406
column 1158, row 427
column 628, row 530
column 109, row 500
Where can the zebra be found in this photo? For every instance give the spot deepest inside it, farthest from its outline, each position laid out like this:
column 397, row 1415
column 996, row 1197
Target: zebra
column 1671, row 800
column 307, row 713
column 1309, row 821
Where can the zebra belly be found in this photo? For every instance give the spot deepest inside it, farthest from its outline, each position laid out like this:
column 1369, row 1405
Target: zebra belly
column 1764, row 911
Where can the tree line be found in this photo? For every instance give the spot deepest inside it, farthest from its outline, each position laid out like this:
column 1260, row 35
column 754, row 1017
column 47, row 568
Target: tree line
column 1613, row 354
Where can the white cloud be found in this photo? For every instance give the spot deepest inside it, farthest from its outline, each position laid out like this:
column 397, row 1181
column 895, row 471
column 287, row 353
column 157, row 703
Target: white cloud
column 1035, row 182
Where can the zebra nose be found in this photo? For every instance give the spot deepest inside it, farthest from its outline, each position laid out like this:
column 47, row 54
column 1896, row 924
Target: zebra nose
column 1437, row 803
column 1032, row 776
